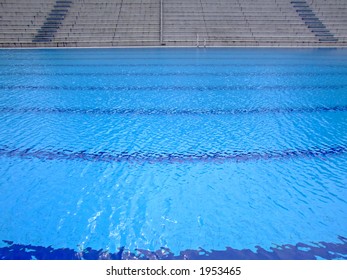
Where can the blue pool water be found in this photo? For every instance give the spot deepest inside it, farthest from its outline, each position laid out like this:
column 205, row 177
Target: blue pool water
column 173, row 153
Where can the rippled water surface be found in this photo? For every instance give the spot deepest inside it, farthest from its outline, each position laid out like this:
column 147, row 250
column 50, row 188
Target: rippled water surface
column 180, row 149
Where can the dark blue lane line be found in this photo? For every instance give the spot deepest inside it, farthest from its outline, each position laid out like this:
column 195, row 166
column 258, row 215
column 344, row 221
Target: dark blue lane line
column 299, row 251
column 155, row 157
column 177, row 74
column 173, row 58
column 175, row 88
column 139, row 111
column 173, row 65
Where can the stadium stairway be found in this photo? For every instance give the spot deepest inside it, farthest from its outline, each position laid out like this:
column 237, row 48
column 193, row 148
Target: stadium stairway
column 313, row 22
column 52, row 22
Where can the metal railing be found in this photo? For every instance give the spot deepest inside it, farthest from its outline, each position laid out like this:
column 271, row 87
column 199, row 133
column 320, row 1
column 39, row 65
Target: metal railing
column 198, row 41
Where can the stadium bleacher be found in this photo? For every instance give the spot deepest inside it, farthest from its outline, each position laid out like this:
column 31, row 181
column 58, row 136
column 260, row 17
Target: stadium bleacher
column 89, row 23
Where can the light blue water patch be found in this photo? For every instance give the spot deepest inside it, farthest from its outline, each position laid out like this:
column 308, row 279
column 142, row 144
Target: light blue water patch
column 176, row 148
column 174, row 133
column 176, row 206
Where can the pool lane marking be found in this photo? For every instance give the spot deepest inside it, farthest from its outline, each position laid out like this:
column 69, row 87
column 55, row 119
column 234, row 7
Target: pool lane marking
column 173, row 65
column 139, row 111
column 189, row 58
column 152, row 157
column 174, row 88
column 178, row 74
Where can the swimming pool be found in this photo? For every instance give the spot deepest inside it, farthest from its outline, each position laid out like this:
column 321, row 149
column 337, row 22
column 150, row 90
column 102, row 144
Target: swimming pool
column 173, row 153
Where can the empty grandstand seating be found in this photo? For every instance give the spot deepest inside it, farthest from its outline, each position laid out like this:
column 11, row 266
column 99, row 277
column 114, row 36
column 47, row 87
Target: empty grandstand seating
column 84, row 23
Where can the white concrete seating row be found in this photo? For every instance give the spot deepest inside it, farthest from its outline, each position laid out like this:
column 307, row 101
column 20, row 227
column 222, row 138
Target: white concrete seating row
column 127, row 21
column 211, row 19
column 20, row 19
column 333, row 14
column 251, row 18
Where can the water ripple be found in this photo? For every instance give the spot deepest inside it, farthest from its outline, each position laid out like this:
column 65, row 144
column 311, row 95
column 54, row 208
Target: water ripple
column 152, row 157
column 120, row 111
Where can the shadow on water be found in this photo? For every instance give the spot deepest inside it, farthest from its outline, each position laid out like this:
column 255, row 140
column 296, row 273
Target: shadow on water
column 300, row 251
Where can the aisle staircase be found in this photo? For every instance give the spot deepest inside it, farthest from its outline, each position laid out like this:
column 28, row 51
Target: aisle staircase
column 313, row 22
column 53, row 22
